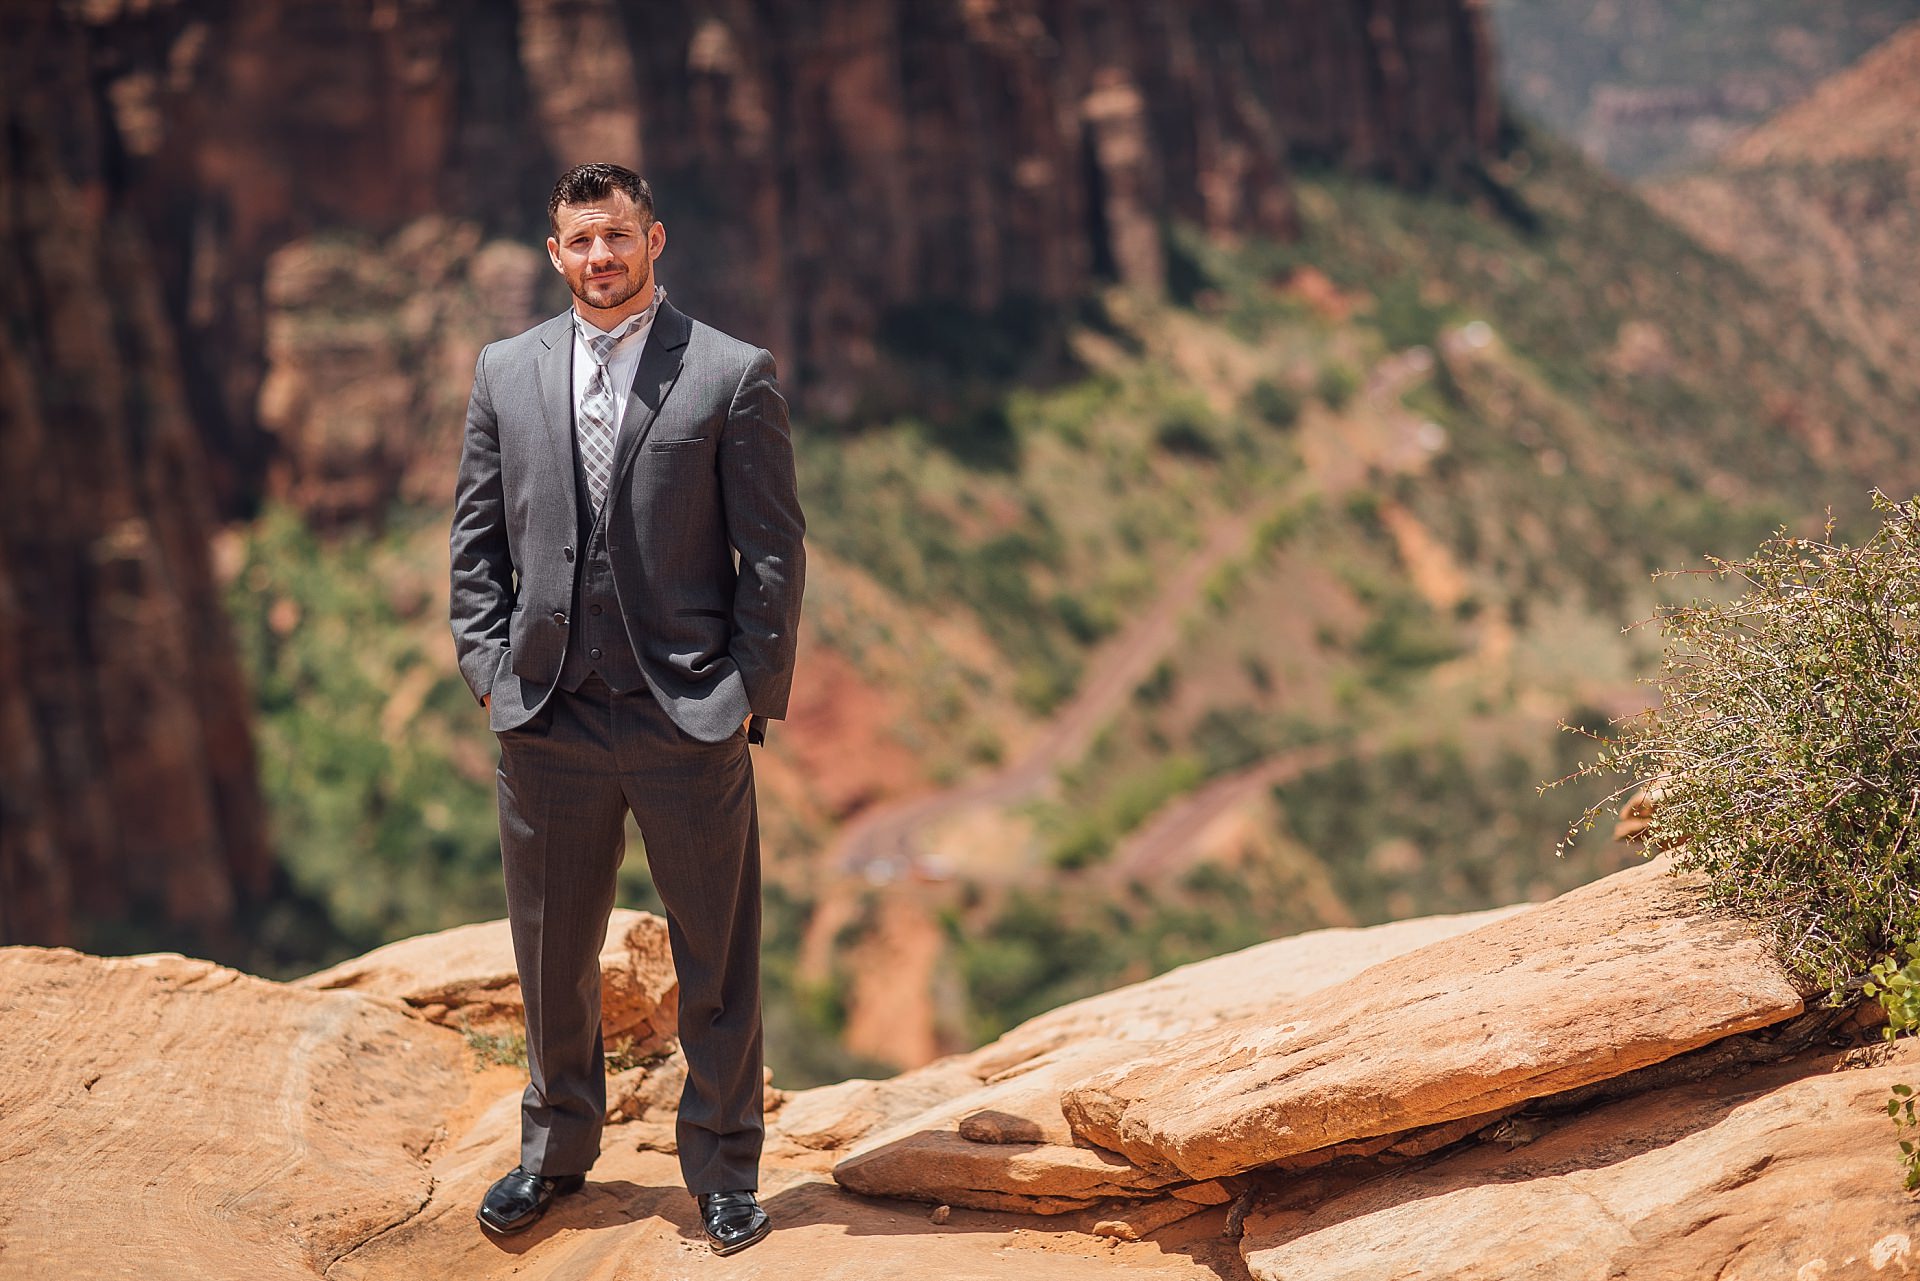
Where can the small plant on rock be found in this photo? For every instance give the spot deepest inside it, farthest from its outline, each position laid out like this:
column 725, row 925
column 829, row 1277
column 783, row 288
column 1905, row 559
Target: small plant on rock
column 507, row 1049
column 1786, row 748
column 1898, row 990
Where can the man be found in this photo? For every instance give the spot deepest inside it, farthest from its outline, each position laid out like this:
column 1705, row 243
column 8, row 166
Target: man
column 616, row 459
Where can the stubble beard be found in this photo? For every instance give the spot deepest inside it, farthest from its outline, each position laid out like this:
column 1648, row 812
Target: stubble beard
column 604, row 297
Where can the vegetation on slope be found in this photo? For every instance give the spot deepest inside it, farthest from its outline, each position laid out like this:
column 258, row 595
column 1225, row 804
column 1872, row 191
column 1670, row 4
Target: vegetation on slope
column 1651, row 85
column 1461, row 434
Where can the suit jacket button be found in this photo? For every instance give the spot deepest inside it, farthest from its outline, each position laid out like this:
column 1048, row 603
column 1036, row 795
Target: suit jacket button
column 568, row 553
column 593, row 653
column 560, row 618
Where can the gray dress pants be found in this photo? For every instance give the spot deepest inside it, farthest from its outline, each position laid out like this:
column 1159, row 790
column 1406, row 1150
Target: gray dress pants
column 566, row 781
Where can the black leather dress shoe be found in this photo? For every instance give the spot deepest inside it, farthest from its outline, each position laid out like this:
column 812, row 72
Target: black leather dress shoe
column 733, row 1220
column 517, row 1200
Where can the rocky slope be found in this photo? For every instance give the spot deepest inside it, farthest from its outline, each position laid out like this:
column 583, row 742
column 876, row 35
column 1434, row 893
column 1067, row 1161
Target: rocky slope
column 1415, row 465
column 1660, row 86
column 340, row 1128
column 1824, row 198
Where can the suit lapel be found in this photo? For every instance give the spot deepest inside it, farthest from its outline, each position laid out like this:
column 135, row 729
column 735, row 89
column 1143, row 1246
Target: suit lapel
column 554, row 369
column 659, row 369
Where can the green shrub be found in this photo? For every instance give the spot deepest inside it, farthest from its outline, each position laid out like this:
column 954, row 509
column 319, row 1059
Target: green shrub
column 508, row 1049
column 1405, row 637
column 1184, row 430
column 1279, row 529
column 1336, row 384
column 1404, row 317
column 1157, row 688
column 1127, row 803
column 1898, row 989
column 1231, row 738
column 1787, row 744
column 1273, row 403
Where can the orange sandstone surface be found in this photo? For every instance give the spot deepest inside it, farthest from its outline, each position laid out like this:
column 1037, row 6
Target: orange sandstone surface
column 1614, row 1083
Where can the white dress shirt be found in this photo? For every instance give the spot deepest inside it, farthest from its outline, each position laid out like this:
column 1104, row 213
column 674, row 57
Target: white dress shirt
column 620, row 365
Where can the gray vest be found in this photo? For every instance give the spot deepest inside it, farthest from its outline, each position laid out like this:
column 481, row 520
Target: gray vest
column 597, row 639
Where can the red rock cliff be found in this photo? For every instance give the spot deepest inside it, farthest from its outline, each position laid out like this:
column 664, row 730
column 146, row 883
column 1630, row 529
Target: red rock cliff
column 819, row 165
column 828, row 171
column 126, row 767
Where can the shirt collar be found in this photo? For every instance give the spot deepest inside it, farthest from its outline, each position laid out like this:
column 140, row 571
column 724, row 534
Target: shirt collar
column 637, row 323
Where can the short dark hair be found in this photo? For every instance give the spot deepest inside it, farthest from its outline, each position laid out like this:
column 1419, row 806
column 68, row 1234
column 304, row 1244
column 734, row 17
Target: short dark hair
column 584, row 184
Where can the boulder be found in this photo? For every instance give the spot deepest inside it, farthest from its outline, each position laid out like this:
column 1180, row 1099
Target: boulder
column 835, row 1117
column 1249, row 982
column 465, row 978
column 1003, row 1145
column 942, row 1168
column 1202, row 994
column 166, row 1117
column 1790, row 1171
column 1626, row 972
column 1005, row 1097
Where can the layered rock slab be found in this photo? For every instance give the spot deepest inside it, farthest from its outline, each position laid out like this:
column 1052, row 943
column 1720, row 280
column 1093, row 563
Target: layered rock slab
column 465, row 978
column 1626, row 972
column 1206, row 993
column 986, row 1130
column 169, row 1117
column 1790, row 1171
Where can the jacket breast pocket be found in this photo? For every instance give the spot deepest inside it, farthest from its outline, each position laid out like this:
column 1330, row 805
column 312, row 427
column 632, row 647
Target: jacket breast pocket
column 672, row 443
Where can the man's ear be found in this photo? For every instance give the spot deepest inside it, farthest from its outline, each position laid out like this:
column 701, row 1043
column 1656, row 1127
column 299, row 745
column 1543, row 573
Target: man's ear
column 553, row 255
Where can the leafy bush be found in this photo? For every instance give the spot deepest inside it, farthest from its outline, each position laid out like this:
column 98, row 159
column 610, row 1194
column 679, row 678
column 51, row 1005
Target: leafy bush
column 1128, row 803
column 505, row 1048
column 1184, row 429
column 1405, row 318
column 1231, row 738
column 1898, row 989
column 1405, row 637
column 1787, row 744
column 1276, row 404
column 1336, row 384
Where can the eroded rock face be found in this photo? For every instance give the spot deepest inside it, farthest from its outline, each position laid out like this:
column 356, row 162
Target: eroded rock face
column 985, row 1129
column 127, row 785
column 1789, row 1172
column 1609, row 978
column 834, row 176
column 170, row 1117
column 1003, row 1145
column 465, row 978
column 1221, row 988
column 370, row 350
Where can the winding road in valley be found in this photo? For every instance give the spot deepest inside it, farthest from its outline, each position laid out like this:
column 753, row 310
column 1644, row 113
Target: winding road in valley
column 890, row 1015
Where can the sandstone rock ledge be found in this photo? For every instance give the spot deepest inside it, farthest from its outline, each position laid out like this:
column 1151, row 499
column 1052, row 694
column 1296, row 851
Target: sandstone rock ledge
column 465, row 978
column 1667, row 1116
column 1612, row 977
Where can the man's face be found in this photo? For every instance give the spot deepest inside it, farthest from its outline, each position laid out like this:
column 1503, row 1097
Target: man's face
column 605, row 249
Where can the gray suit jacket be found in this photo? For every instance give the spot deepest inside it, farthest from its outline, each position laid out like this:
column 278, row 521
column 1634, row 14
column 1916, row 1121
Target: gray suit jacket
column 703, row 468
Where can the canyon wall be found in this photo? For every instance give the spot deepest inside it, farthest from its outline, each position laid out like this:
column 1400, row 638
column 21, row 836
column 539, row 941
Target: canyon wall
column 839, row 178
column 835, row 175
column 126, row 767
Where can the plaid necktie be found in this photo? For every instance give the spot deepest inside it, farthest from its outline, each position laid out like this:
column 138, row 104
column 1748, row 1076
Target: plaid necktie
column 597, row 407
